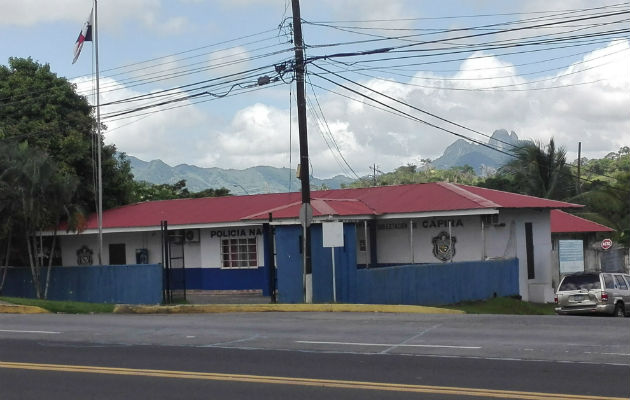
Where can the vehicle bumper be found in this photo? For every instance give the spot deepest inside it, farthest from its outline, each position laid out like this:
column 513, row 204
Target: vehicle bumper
column 591, row 309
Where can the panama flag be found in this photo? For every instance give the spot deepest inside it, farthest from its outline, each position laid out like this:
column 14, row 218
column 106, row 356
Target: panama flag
column 84, row 36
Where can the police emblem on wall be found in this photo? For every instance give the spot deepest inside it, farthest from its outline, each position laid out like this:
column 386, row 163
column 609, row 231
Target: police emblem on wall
column 444, row 246
column 84, row 256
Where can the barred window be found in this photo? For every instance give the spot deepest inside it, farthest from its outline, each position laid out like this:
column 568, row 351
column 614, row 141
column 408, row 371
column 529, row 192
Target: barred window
column 239, row 253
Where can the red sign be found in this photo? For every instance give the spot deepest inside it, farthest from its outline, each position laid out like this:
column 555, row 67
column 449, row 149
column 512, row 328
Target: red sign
column 606, row 244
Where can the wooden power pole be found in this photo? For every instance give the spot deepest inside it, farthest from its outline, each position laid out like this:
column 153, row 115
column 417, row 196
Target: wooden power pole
column 306, row 211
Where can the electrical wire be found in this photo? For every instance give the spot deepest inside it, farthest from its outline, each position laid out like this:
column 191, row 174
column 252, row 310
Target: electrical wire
column 323, row 122
column 411, row 106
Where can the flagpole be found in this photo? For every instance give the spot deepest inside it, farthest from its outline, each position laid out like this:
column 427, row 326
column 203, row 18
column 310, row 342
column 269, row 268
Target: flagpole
column 99, row 211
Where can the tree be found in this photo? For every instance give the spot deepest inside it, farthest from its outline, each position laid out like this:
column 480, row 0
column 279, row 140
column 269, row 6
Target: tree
column 410, row 173
column 44, row 110
column 36, row 195
column 540, row 171
column 145, row 191
column 605, row 192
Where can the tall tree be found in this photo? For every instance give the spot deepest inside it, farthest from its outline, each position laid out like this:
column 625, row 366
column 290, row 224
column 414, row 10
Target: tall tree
column 605, row 192
column 45, row 111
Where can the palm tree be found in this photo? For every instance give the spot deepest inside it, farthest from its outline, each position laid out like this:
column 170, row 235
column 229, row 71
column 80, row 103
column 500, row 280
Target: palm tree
column 540, row 170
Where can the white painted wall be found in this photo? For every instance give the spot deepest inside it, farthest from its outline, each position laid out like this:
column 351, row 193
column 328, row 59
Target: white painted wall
column 203, row 254
column 132, row 240
column 394, row 244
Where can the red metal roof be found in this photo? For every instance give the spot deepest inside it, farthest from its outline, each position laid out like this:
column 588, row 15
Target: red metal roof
column 562, row 222
column 401, row 199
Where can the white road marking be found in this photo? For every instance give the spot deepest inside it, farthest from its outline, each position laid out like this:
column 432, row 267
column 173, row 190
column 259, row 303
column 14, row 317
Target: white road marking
column 390, row 344
column 387, row 350
column 16, row 331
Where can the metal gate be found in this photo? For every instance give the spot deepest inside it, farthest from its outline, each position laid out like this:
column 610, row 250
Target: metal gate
column 173, row 264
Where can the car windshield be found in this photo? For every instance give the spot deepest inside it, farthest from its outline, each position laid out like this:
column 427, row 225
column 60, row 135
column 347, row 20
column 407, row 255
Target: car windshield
column 577, row 282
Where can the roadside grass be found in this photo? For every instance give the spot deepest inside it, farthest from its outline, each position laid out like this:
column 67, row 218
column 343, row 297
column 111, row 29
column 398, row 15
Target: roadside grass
column 68, row 307
column 499, row 305
column 503, row 305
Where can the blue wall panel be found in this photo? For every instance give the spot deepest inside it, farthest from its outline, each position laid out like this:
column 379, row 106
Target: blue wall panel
column 289, row 264
column 221, row 279
column 436, row 284
column 345, row 267
column 122, row 284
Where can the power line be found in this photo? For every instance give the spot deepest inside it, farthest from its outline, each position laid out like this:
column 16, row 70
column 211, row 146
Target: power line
column 407, row 46
column 330, row 134
column 616, row 5
column 409, row 115
column 411, row 106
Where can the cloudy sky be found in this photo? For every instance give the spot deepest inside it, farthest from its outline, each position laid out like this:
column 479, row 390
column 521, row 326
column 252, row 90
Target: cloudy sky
column 180, row 78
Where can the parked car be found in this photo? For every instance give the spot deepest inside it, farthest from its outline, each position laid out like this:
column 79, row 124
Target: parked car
column 594, row 293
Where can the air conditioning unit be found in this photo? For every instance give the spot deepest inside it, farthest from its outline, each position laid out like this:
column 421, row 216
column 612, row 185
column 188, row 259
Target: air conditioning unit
column 191, row 235
column 490, row 219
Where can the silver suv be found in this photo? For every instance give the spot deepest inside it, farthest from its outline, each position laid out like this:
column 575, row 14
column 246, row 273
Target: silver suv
column 594, row 293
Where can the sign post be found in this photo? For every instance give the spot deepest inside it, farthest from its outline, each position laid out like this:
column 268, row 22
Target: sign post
column 333, row 237
column 607, row 244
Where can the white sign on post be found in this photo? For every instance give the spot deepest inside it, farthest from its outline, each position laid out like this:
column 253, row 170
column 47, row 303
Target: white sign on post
column 332, row 233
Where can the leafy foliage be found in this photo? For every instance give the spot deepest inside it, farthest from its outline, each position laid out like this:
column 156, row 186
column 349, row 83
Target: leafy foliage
column 540, row 171
column 43, row 110
column 411, row 173
column 145, row 191
column 605, row 192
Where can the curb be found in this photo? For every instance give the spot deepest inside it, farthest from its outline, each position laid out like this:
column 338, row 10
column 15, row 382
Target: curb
column 18, row 309
column 231, row 308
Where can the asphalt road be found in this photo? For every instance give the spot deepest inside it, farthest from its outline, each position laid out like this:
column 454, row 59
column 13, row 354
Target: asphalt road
column 313, row 355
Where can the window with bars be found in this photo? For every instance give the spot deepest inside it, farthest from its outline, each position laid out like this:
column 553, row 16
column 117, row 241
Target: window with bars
column 239, row 253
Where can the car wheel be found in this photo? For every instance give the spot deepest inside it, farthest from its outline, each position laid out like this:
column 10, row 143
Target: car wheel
column 619, row 310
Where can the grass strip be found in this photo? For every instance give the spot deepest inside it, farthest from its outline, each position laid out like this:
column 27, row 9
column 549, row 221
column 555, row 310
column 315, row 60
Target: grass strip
column 67, row 307
column 503, row 305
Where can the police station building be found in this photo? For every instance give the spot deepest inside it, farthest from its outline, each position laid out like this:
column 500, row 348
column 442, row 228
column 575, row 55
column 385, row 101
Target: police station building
column 254, row 242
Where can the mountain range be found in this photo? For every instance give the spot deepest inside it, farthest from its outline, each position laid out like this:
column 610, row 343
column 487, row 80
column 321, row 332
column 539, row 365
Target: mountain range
column 252, row 180
column 264, row 179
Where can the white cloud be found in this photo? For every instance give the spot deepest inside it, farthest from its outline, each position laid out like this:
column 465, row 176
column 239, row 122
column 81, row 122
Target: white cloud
column 170, row 135
column 31, row 12
column 111, row 14
column 258, row 134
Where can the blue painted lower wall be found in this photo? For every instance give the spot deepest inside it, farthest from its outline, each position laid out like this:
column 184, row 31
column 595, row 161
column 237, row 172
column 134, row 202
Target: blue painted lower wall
column 289, row 264
column 222, row 279
column 438, row 284
column 118, row 284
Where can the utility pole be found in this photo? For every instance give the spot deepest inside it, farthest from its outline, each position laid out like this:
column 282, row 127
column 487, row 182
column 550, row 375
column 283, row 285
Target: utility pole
column 306, row 211
column 577, row 184
column 374, row 175
column 99, row 208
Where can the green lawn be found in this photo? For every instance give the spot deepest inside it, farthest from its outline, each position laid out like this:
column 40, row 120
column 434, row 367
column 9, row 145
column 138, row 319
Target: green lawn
column 70, row 307
column 503, row 305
